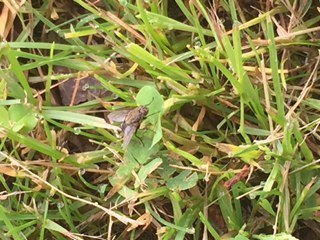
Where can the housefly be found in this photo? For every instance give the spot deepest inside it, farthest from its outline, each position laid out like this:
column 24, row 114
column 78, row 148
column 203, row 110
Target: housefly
column 130, row 121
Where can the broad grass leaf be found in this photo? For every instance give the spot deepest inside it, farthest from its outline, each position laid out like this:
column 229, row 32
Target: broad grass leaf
column 3, row 89
column 166, row 169
column 279, row 236
column 246, row 153
column 267, row 206
column 22, row 117
column 185, row 180
column 146, row 170
column 240, row 237
column 53, row 226
column 4, row 120
column 150, row 97
column 139, row 150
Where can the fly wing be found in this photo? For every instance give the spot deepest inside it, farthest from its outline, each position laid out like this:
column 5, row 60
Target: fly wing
column 128, row 133
column 118, row 116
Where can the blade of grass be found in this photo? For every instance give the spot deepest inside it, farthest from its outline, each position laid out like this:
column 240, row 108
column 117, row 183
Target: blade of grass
column 280, row 118
column 7, row 222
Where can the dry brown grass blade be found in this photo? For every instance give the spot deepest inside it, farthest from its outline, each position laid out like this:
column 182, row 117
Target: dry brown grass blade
column 312, row 78
column 7, row 17
column 198, row 122
column 126, row 26
column 121, row 218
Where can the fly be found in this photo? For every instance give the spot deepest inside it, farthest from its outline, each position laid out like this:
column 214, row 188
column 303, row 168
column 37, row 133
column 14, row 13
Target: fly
column 131, row 120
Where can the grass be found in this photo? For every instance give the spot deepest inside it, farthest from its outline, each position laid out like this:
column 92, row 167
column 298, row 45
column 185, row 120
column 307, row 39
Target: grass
column 228, row 149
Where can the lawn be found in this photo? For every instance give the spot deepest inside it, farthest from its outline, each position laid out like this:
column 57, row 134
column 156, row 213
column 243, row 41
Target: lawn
column 159, row 119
